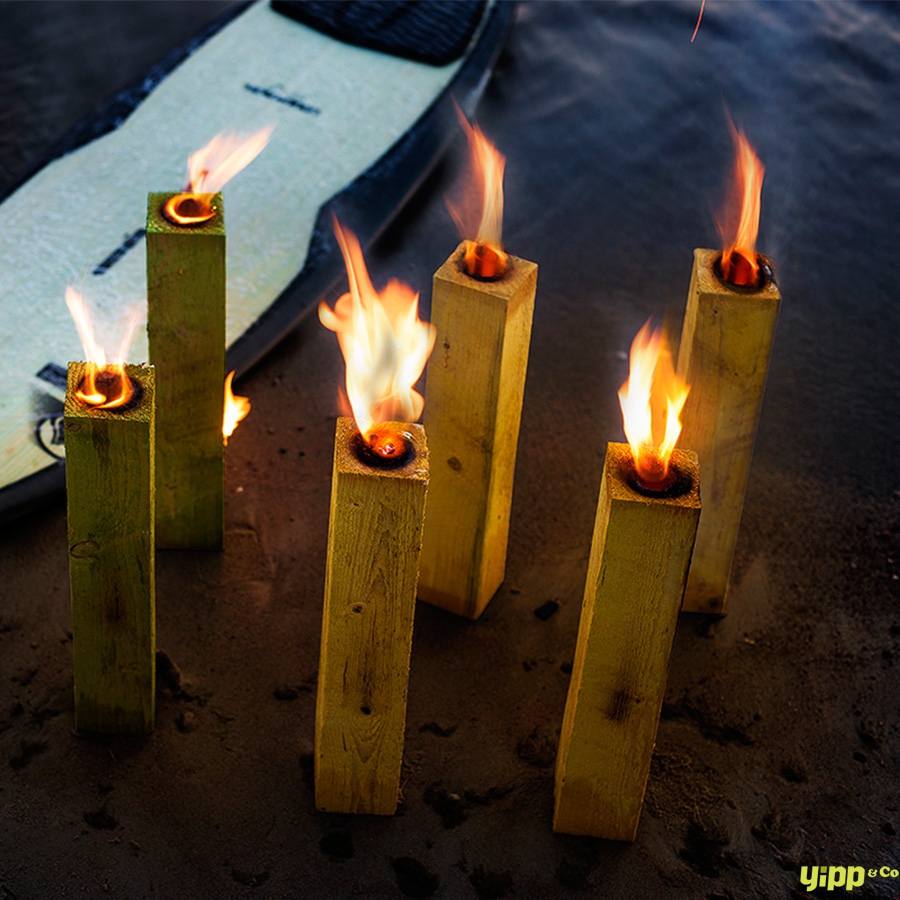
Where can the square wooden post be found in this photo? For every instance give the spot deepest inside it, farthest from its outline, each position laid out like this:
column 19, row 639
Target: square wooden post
column 374, row 538
column 110, row 494
column 637, row 571
column 186, row 334
column 726, row 342
column 473, row 408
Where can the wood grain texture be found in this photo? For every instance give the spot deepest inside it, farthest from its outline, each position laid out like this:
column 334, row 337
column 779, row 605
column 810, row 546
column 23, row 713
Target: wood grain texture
column 374, row 539
column 726, row 342
column 637, row 571
column 473, row 408
column 186, row 336
column 110, row 493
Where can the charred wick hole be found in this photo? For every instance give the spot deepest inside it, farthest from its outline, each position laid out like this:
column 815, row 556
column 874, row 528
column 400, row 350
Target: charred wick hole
column 765, row 276
column 191, row 210
column 110, row 384
column 400, row 455
column 477, row 275
column 676, row 484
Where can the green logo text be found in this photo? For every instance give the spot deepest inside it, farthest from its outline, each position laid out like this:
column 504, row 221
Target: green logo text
column 847, row 877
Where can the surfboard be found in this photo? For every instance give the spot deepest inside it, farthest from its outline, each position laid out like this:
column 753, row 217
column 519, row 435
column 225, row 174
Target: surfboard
column 360, row 96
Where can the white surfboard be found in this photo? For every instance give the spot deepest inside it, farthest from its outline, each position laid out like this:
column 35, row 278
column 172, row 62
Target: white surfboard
column 356, row 130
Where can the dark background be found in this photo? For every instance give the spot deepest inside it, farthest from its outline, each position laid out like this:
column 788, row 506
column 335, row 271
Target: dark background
column 778, row 745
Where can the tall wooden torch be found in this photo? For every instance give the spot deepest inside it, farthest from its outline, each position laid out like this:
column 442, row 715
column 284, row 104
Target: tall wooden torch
column 186, row 335
column 643, row 537
column 482, row 307
column 109, row 428
column 726, row 342
column 374, row 537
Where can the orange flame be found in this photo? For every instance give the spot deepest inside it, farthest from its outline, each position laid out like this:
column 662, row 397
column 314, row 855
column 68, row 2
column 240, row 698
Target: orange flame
column 384, row 343
column 484, row 256
column 236, row 409
column 652, row 399
column 212, row 167
column 209, row 170
column 699, row 18
column 106, row 384
column 739, row 262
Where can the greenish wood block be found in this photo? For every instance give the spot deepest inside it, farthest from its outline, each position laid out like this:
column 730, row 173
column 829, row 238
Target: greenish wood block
column 110, row 495
column 186, row 335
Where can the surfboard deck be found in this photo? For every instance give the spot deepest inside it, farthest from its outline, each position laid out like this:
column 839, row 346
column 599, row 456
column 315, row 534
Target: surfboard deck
column 356, row 132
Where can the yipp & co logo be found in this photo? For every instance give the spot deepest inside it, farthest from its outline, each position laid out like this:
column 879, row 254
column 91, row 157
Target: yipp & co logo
column 846, row 877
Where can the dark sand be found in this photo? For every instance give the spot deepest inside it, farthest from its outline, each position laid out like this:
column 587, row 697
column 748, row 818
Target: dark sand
column 778, row 745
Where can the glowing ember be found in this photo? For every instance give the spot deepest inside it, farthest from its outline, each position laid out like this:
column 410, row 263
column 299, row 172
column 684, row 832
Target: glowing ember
column 189, row 209
column 652, row 399
column 483, row 261
column 739, row 262
column 106, row 384
column 236, row 409
column 387, row 444
column 384, row 343
column 484, row 256
column 209, row 170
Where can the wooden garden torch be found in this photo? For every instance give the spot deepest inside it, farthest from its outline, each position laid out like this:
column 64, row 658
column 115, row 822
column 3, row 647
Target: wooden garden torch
column 643, row 538
column 482, row 306
column 726, row 342
column 186, row 335
column 109, row 434
column 378, row 491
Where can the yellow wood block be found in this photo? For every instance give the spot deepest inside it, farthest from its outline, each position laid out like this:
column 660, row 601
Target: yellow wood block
column 374, row 539
column 726, row 342
column 473, row 408
column 110, row 487
column 638, row 566
column 186, row 337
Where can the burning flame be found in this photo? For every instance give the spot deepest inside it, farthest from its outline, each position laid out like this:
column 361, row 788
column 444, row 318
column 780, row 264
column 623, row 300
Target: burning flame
column 384, row 343
column 652, row 399
column 106, row 384
column 209, row 170
column 236, row 409
column 699, row 18
column 739, row 263
column 484, row 256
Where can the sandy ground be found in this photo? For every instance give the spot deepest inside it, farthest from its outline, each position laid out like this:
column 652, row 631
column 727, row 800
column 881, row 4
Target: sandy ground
column 778, row 745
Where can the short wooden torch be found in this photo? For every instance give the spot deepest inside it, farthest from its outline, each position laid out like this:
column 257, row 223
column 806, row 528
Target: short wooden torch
column 186, row 336
column 109, row 432
column 726, row 343
column 377, row 512
column 643, row 537
column 482, row 306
